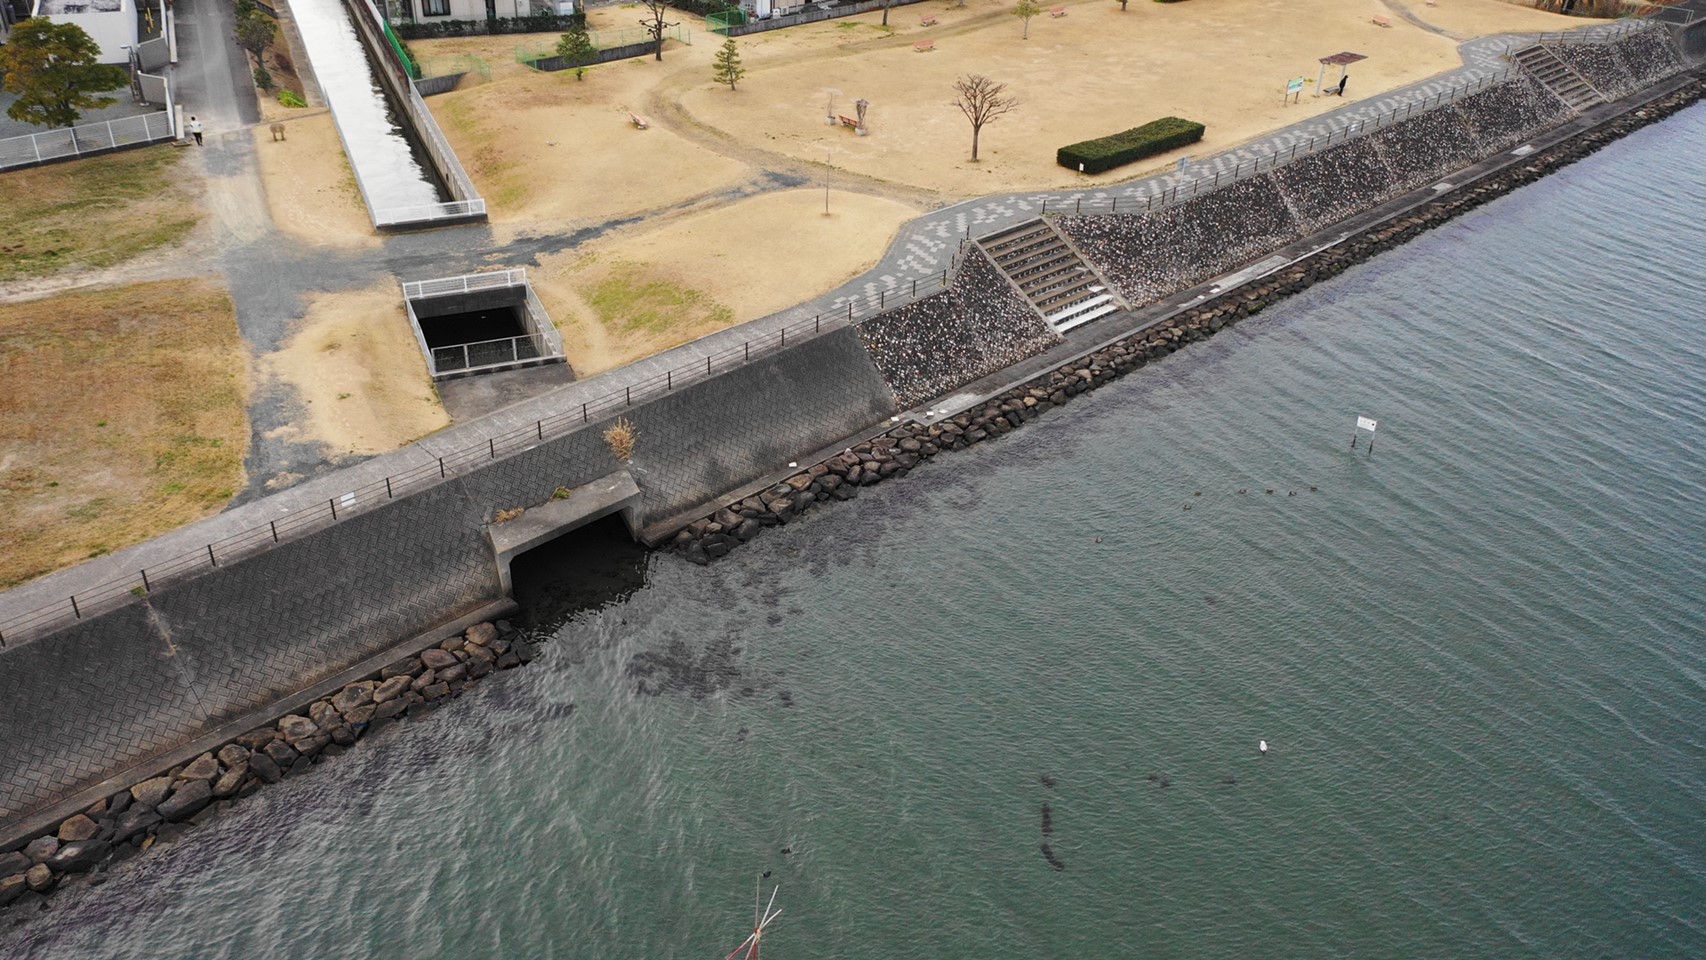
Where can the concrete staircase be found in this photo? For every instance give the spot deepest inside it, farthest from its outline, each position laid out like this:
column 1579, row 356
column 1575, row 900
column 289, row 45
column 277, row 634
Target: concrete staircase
column 1063, row 288
column 1557, row 76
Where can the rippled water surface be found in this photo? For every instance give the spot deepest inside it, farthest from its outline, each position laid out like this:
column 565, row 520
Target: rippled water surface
column 1477, row 655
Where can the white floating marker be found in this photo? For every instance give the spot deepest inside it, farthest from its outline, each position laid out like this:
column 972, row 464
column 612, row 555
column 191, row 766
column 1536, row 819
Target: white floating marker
column 1262, row 745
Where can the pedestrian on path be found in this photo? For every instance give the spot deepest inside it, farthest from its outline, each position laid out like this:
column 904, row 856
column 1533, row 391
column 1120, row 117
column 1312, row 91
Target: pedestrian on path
column 195, row 129
column 1342, row 81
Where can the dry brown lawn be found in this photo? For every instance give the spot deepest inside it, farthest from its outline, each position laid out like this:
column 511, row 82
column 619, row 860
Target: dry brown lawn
column 359, row 373
column 94, row 213
column 310, row 188
column 121, row 417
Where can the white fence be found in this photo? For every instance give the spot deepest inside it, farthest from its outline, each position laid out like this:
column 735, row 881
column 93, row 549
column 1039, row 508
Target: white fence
column 540, row 344
column 496, row 280
column 67, row 142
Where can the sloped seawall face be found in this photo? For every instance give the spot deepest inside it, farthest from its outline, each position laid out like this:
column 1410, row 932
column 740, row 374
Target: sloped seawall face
column 700, row 442
column 1505, row 115
column 1151, row 255
column 977, row 326
column 1425, row 147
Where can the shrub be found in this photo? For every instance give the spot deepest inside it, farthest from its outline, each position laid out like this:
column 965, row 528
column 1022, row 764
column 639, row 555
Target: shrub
column 1158, row 136
column 290, row 99
column 263, row 79
column 621, row 437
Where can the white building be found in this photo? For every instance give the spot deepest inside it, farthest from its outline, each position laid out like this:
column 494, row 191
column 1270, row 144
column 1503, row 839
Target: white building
column 110, row 23
column 427, row 11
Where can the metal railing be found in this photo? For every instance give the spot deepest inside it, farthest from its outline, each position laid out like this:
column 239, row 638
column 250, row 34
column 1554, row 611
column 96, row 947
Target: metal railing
column 469, row 357
column 262, row 537
column 67, row 142
column 1603, row 33
column 495, row 280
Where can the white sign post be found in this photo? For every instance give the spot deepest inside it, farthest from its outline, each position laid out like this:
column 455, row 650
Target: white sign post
column 1365, row 423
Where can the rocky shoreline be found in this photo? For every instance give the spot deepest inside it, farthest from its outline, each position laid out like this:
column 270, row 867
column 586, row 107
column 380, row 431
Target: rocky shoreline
column 897, row 451
column 163, row 808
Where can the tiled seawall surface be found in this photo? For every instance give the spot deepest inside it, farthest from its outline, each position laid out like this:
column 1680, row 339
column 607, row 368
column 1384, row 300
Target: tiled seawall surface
column 111, row 691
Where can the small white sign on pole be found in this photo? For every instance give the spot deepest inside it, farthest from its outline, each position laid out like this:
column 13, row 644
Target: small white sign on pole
column 1364, row 423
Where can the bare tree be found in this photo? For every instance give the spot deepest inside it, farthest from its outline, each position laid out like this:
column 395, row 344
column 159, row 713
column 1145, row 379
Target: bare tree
column 654, row 23
column 1025, row 10
column 982, row 100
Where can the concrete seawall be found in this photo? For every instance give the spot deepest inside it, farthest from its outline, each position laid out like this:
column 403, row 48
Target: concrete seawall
column 120, row 689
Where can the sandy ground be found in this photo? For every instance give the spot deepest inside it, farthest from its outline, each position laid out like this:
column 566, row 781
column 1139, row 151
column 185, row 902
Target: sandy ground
column 703, row 266
column 1090, row 73
column 554, row 155
column 1476, row 18
column 121, row 417
column 311, row 191
column 359, row 373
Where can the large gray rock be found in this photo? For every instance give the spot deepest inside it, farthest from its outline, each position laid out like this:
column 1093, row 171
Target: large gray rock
column 134, row 821
column 40, row 878
column 230, row 781
column 352, row 696
column 77, row 828
column 233, row 754
column 392, row 689
column 79, row 856
column 187, row 800
column 41, row 848
column 293, row 728
column 312, row 745
column 11, row 887
column 389, row 709
column 323, row 714
column 149, row 793
column 203, row 767
column 281, row 753
column 118, row 802
column 436, row 659
column 359, row 715
column 264, row 766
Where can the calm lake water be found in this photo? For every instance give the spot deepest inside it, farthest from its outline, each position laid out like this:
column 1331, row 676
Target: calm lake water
column 1478, row 657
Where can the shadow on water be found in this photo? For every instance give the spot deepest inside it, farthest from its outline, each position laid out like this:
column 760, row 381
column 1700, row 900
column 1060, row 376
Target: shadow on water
column 592, row 568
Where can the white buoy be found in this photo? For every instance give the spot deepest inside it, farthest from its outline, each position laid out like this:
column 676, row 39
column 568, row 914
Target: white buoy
column 1262, row 745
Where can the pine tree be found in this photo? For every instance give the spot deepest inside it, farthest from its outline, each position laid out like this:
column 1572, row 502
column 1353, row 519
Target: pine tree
column 576, row 47
column 728, row 68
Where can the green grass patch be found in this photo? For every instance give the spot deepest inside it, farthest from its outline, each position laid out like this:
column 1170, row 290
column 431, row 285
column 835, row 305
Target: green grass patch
column 94, row 213
column 632, row 299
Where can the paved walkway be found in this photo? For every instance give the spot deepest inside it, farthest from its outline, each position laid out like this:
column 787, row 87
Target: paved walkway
column 924, row 249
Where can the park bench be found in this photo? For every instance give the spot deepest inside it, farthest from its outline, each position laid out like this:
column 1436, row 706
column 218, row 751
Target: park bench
column 638, row 121
column 927, row 22
column 848, row 122
column 1381, row 21
column 1057, row 12
column 924, row 46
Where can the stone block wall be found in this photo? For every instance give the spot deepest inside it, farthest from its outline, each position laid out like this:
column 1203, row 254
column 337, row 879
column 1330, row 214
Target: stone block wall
column 1329, row 186
column 1507, row 114
column 1151, row 255
column 1650, row 55
column 1425, row 147
column 975, row 327
column 1601, row 64
column 702, row 441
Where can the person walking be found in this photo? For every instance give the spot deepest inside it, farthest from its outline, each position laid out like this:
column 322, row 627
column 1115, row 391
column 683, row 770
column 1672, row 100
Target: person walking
column 195, row 129
column 1342, row 81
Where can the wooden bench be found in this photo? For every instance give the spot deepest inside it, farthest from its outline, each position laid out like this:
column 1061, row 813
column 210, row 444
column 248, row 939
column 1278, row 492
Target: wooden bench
column 638, row 121
column 1380, row 21
column 924, row 46
column 927, row 22
column 1057, row 12
column 848, row 122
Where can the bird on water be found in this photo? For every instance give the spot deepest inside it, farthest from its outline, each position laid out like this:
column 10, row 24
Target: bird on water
column 1262, row 745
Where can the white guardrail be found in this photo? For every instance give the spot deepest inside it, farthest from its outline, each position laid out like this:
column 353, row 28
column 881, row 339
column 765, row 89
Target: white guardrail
column 35, row 148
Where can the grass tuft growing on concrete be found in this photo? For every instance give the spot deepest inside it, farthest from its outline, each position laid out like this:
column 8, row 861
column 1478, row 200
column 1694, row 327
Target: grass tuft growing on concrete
column 94, row 213
column 121, row 417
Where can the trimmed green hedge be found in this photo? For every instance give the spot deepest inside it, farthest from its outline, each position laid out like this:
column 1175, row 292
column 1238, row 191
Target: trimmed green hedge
column 433, row 29
column 1158, row 136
